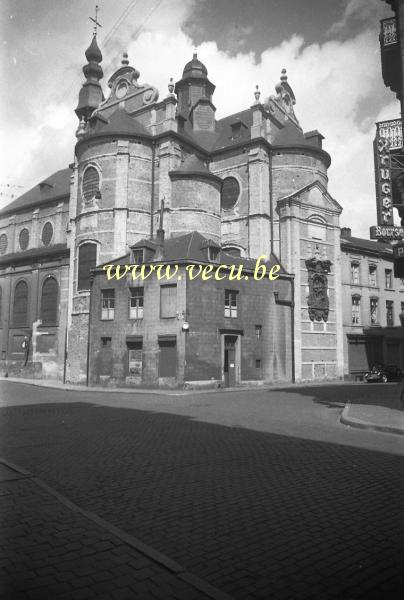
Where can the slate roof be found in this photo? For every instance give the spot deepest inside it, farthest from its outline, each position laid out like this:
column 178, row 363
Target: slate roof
column 119, row 123
column 364, row 245
column 58, row 189
column 191, row 247
column 35, row 254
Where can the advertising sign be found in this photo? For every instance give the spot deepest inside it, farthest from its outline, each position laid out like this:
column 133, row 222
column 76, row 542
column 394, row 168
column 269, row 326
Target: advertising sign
column 384, row 201
column 385, row 232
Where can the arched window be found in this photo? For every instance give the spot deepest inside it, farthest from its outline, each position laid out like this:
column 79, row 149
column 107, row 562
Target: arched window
column 20, row 305
column 91, row 183
column 87, row 261
column 49, row 301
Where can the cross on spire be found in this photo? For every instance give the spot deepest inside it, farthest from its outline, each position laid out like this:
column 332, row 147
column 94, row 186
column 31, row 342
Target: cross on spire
column 95, row 21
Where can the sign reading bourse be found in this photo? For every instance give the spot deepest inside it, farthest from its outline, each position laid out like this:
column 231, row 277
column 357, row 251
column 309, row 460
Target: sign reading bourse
column 384, row 200
column 386, row 232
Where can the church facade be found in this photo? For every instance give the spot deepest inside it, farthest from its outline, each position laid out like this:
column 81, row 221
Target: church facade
column 162, row 181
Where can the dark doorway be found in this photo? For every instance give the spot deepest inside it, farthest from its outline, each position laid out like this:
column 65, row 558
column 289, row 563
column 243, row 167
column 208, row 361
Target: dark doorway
column 168, row 358
column 105, row 361
column 230, row 366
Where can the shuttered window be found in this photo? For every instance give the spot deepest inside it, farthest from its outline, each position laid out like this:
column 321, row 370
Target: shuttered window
column 168, row 301
column 87, row 261
column 49, row 301
column 20, row 306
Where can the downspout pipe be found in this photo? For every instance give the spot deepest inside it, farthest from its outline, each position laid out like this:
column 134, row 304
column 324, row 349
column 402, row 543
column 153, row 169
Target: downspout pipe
column 153, row 176
column 89, row 330
column 271, row 208
column 292, row 329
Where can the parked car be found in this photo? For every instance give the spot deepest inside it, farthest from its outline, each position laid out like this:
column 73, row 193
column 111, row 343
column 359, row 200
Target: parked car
column 384, row 373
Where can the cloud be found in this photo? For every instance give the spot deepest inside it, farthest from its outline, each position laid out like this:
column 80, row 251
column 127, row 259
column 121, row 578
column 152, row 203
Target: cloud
column 365, row 12
column 335, row 83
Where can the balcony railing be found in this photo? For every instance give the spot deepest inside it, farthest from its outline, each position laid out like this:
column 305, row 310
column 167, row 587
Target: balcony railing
column 389, row 35
column 393, row 131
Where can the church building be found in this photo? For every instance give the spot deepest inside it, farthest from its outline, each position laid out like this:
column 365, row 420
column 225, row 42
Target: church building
column 158, row 180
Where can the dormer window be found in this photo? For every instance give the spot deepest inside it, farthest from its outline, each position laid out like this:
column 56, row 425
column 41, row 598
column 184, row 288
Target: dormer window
column 237, row 129
column 213, row 253
column 137, row 256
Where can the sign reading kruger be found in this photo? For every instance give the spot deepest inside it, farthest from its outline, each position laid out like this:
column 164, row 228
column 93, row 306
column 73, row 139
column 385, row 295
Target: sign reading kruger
column 385, row 232
column 384, row 201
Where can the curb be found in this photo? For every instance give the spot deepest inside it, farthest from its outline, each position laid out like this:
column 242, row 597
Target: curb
column 154, row 555
column 345, row 419
column 177, row 392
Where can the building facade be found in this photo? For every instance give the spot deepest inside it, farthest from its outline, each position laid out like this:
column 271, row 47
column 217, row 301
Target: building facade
column 250, row 185
column 373, row 300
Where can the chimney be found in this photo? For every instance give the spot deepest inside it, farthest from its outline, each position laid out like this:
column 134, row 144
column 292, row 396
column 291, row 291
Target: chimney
column 346, row 232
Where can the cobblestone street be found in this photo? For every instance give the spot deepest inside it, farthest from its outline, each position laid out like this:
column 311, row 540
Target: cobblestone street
column 259, row 494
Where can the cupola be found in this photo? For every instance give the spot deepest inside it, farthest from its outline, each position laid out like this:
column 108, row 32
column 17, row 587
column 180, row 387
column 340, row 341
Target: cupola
column 91, row 96
column 193, row 86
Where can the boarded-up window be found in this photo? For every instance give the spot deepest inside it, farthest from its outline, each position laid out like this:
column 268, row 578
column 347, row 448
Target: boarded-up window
column 20, row 306
column 47, row 233
column 135, row 358
column 168, row 301
column 91, row 183
column 3, row 243
column 24, row 239
column 168, row 358
column 230, row 193
column 87, row 261
column 49, row 301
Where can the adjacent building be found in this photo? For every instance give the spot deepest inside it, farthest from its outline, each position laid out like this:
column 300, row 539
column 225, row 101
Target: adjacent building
column 373, row 301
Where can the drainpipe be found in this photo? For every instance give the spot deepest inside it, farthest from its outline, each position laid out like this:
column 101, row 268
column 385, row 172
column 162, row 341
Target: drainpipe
column 89, row 330
column 65, row 353
column 271, row 208
column 248, row 207
column 292, row 329
column 152, row 189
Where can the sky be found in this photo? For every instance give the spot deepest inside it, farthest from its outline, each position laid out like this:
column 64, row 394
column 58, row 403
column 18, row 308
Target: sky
column 330, row 49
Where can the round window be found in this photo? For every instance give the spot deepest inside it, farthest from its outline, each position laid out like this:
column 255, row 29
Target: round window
column 24, row 239
column 47, row 233
column 3, row 243
column 91, row 183
column 230, row 193
column 121, row 89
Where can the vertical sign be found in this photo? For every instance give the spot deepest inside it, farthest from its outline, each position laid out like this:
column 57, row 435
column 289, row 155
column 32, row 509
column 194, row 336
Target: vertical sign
column 384, row 202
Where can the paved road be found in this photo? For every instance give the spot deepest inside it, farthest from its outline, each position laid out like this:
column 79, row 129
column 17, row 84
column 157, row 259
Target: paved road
column 261, row 494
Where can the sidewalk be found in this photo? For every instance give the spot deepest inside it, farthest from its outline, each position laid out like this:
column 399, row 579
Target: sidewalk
column 50, row 548
column 387, row 415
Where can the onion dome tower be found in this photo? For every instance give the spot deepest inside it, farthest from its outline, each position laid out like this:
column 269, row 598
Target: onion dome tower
column 193, row 85
column 194, row 92
column 91, row 95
